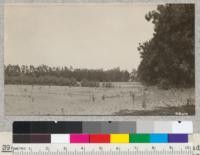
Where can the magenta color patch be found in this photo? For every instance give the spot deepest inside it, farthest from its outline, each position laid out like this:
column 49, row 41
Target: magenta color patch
column 79, row 138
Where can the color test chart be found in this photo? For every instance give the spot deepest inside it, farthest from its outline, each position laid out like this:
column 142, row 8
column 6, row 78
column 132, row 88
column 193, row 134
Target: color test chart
column 101, row 138
column 102, row 132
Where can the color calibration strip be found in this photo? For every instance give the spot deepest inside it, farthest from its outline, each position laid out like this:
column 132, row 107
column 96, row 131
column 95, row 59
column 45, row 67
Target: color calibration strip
column 91, row 127
column 102, row 132
column 101, row 138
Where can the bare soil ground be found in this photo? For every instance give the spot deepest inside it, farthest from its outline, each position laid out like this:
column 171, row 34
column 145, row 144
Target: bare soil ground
column 129, row 98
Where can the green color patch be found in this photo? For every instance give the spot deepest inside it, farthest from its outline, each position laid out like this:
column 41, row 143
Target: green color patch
column 139, row 138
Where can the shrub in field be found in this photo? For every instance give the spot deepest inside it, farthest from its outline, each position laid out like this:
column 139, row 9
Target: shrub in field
column 70, row 82
column 73, row 82
column 107, row 84
column 61, row 81
column 86, row 83
column 164, row 84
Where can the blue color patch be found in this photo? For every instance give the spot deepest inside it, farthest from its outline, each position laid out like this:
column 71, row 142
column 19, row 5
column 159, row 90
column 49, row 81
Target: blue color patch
column 158, row 138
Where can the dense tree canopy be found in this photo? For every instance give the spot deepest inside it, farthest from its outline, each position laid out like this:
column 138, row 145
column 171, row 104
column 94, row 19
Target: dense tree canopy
column 168, row 58
column 45, row 75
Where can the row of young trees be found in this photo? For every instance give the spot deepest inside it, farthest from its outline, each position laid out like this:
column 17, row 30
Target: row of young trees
column 45, row 75
column 168, row 58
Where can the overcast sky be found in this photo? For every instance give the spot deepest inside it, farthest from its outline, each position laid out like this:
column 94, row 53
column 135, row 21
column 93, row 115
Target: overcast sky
column 82, row 36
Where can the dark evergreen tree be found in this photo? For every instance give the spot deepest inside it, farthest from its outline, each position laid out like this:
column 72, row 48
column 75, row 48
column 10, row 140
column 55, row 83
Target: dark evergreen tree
column 168, row 58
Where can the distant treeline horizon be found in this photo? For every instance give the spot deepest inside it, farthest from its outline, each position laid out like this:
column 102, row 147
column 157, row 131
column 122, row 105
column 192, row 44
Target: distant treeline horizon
column 66, row 76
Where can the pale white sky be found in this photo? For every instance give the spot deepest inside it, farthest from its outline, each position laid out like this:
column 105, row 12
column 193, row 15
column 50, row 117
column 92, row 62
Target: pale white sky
column 80, row 35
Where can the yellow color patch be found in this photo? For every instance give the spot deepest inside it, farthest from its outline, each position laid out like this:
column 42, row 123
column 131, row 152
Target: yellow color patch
column 119, row 138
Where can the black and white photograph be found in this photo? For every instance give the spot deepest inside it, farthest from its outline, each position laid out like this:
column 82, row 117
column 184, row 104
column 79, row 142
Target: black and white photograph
column 99, row 59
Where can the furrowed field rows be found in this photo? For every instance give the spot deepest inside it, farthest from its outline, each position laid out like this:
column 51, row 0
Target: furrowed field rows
column 64, row 100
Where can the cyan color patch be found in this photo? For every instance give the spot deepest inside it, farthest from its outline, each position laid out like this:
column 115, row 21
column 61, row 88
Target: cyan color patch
column 158, row 138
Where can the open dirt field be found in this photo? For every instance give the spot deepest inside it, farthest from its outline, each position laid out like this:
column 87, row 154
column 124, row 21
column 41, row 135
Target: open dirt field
column 63, row 100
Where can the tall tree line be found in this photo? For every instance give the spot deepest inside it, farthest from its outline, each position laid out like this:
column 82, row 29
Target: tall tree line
column 168, row 58
column 46, row 75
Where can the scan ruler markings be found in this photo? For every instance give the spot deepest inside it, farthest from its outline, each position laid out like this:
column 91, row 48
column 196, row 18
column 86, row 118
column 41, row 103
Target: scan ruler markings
column 102, row 149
